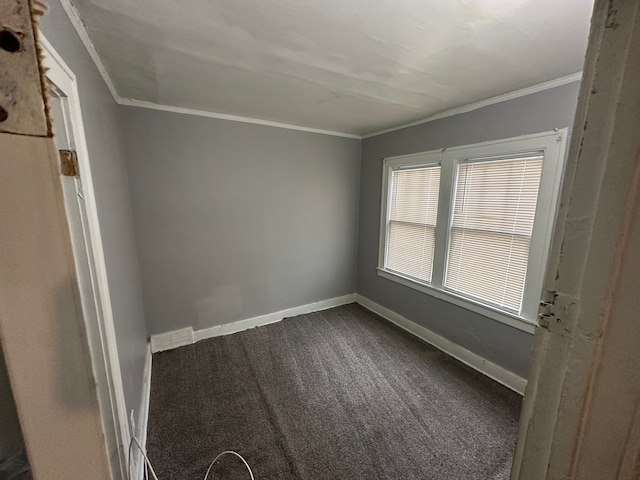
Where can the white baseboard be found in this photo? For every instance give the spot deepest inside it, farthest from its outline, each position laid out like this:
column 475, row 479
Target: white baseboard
column 177, row 338
column 475, row 361
column 143, row 418
column 170, row 340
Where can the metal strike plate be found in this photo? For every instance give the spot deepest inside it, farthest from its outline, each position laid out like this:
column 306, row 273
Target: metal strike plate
column 557, row 312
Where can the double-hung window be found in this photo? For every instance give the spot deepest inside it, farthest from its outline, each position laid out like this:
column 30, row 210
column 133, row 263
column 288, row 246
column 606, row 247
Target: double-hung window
column 472, row 224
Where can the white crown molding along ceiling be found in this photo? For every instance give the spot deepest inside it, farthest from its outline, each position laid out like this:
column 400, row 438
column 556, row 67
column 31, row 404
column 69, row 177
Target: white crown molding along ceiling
column 81, row 29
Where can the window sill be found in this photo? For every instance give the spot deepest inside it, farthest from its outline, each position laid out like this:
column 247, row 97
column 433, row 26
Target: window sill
column 503, row 317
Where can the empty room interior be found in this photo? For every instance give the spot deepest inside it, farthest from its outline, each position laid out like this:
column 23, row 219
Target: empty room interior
column 311, row 240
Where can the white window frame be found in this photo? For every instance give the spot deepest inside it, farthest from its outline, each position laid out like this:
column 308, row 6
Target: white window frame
column 552, row 145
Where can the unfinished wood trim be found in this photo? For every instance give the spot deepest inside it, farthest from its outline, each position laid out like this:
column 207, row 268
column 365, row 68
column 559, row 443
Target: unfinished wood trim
column 42, row 329
column 41, row 324
column 581, row 416
column 22, row 100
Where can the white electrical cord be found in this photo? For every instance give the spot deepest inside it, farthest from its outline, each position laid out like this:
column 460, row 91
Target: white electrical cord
column 153, row 473
column 232, row 453
column 146, row 459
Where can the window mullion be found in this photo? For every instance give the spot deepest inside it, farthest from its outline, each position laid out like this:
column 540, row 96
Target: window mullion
column 445, row 207
column 384, row 214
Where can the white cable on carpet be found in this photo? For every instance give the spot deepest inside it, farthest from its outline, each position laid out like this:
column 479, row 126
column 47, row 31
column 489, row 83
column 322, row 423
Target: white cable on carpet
column 232, row 453
column 146, row 459
column 153, row 473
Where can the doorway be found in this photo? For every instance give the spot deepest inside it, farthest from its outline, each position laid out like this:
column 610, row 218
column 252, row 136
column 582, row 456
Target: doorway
column 84, row 228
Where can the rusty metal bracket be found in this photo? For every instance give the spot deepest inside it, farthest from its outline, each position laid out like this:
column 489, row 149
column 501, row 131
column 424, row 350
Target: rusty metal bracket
column 68, row 163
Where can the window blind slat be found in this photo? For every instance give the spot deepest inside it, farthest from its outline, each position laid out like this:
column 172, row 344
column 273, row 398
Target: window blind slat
column 494, row 210
column 412, row 218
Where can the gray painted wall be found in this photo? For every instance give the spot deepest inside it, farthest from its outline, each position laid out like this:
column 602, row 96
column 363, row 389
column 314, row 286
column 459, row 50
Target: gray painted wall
column 235, row 220
column 104, row 139
column 502, row 344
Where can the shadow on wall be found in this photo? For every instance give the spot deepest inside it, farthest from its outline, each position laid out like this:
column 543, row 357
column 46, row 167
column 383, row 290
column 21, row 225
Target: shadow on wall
column 70, row 327
column 14, row 464
column 13, row 460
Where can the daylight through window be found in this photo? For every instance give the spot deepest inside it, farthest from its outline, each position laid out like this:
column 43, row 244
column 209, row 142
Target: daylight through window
column 472, row 224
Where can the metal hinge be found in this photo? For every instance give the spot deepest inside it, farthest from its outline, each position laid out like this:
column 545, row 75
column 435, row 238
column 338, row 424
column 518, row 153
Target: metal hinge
column 557, row 312
column 68, row 163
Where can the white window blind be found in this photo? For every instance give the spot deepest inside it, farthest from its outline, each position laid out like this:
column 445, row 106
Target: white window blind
column 493, row 216
column 472, row 225
column 412, row 218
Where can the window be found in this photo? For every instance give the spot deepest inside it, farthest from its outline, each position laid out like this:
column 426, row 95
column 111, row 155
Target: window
column 493, row 213
column 412, row 221
column 472, row 225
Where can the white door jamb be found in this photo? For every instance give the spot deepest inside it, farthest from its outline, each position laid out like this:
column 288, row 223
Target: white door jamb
column 62, row 76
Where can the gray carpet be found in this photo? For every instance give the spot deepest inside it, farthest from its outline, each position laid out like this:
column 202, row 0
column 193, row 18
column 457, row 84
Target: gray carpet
column 337, row 394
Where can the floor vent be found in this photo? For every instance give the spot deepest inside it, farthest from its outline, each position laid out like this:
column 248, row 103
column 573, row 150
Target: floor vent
column 171, row 340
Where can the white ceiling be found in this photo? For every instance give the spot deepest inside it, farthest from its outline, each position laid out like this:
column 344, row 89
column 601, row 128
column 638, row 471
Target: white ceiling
column 353, row 66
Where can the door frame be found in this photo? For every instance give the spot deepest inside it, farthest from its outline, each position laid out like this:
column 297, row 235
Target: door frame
column 581, row 413
column 59, row 73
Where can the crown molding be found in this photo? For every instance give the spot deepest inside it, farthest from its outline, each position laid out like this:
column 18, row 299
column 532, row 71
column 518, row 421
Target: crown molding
column 77, row 23
column 80, row 28
column 574, row 77
column 232, row 118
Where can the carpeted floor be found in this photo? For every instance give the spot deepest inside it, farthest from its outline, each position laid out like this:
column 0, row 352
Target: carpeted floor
column 337, row 394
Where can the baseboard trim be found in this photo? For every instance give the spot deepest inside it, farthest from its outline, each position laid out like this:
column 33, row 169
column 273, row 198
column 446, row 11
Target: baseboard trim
column 473, row 360
column 269, row 318
column 143, row 416
column 163, row 341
